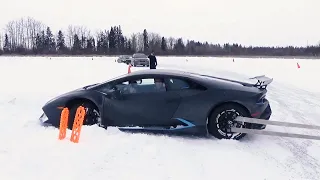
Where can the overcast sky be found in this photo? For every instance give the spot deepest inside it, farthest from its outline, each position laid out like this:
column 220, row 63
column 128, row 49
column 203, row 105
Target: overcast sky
column 249, row 22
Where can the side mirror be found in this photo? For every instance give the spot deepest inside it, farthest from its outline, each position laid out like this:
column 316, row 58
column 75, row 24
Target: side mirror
column 114, row 93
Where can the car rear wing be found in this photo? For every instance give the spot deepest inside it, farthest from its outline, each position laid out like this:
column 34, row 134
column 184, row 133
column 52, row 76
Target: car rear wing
column 262, row 81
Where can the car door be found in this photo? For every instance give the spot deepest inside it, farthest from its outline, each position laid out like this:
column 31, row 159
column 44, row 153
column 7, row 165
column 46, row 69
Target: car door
column 146, row 106
column 193, row 98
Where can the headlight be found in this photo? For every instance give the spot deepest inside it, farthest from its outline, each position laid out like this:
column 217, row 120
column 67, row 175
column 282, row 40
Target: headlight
column 43, row 118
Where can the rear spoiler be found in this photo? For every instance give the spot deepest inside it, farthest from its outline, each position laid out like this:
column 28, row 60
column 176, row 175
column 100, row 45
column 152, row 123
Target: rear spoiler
column 262, row 81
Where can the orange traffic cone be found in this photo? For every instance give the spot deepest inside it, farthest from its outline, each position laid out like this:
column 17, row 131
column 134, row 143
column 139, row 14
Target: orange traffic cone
column 129, row 68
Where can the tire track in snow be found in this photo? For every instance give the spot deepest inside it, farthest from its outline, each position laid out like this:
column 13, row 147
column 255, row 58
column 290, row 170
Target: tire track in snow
column 252, row 144
column 304, row 109
column 303, row 106
column 308, row 165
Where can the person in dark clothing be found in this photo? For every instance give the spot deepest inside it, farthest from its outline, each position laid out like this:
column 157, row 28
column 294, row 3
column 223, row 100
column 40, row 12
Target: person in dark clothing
column 153, row 61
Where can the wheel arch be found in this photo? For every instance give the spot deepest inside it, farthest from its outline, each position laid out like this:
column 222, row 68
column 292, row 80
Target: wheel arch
column 224, row 103
column 76, row 100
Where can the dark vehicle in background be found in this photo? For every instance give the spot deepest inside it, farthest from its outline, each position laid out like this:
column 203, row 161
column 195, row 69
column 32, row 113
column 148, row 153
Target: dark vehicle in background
column 166, row 101
column 140, row 59
column 124, row 59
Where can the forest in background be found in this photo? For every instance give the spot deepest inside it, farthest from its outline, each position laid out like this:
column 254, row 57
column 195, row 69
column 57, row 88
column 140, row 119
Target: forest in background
column 28, row 36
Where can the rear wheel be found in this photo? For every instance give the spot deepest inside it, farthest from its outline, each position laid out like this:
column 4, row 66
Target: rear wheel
column 92, row 115
column 222, row 119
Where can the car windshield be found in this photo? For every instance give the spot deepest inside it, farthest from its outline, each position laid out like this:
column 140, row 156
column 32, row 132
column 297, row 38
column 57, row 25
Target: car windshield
column 139, row 56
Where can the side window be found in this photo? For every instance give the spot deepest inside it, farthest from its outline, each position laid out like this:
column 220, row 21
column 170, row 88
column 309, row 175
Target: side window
column 106, row 87
column 122, row 85
column 146, row 85
column 180, row 84
column 177, row 84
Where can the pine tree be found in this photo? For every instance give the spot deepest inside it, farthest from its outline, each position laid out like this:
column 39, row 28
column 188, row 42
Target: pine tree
column 39, row 44
column 112, row 40
column 49, row 41
column 105, row 42
column 76, row 48
column 61, row 46
column 90, row 45
column 120, row 40
column 42, row 44
column 6, row 45
column 163, row 44
column 99, row 43
column 179, row 46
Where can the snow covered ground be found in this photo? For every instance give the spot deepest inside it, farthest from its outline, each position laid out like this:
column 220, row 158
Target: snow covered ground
column 28, row 151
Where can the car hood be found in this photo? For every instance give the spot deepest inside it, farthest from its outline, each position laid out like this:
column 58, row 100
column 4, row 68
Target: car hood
column 70, row 93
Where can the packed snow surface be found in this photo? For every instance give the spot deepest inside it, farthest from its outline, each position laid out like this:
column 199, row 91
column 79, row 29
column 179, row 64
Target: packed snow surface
column 29, row 151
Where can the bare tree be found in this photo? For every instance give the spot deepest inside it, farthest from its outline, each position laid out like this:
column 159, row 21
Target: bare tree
column 140, row 42
column 11, row 33
column 154, row 41
column 171, row 42
column 84, row 34
column 33, row 28
column 22, row 32
column 81, row 31
column 70, row 34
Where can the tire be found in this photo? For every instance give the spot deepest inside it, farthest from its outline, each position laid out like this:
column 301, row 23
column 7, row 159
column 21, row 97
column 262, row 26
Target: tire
column 222, row 117
column 91, row 117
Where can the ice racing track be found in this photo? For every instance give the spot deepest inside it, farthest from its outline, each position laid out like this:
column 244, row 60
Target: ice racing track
column 30, row 151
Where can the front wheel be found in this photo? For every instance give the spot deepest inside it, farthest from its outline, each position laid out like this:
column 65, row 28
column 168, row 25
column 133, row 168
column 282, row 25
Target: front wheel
column 92, row 115
column 222, row 119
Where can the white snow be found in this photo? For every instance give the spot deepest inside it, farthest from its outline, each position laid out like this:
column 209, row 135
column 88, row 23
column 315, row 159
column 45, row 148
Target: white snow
column 29, row 151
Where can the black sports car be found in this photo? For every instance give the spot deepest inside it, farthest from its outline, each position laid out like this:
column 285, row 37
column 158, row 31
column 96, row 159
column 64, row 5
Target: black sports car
column 166, row 101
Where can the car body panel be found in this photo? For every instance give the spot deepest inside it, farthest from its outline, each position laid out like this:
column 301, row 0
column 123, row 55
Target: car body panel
column 179, row 110
column 142, row 109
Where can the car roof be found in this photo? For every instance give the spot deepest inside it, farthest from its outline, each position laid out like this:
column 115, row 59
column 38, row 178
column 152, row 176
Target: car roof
column 169, row 72
column 147, row 72
column 206, row 80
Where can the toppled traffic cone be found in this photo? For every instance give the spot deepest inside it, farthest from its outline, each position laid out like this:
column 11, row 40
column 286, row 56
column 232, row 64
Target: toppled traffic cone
column 298, row 65
column 129, row 68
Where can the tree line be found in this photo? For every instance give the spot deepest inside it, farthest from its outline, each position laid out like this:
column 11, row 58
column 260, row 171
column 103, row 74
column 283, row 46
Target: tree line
column 28, row 36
